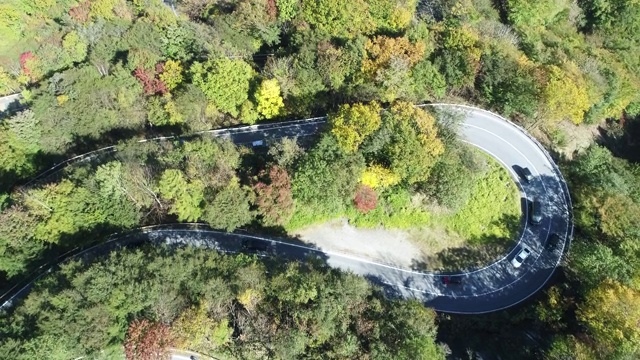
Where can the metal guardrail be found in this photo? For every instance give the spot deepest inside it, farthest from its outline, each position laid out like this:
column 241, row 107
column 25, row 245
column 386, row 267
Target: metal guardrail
column 215, row 132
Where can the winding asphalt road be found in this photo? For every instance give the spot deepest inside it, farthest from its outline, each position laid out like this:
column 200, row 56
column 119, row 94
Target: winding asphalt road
column 492, row 288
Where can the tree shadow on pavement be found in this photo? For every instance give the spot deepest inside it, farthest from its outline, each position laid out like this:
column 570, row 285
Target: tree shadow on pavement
column 481, row 251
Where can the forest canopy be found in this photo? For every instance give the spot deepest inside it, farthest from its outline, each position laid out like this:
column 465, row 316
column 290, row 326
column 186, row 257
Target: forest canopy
column 239, row 307
column 95, row 73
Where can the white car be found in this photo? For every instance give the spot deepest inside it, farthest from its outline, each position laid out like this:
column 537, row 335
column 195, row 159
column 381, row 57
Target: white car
column 258, row 143
column 521, row 257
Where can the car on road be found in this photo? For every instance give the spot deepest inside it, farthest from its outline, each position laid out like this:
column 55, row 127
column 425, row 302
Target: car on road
column 521, row 257
column 255, row 246
column 552, row 242
column 257, row 143
column 526, row 174
column 452, row 279
column 535, row 212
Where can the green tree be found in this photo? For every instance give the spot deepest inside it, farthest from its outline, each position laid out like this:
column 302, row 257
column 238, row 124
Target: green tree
column 593, row 263
column 344, row 20
column 413, row 147
column 212, row 161
column 18, row 244
column 508, row 84
column 428, row 82
column 174, row 116
column 287, row 9
column 113, row 189
column 186, row 196
column 104, row 9
column 157, row 113
column 120, row 105
column 392, row 16
column 179, row 43
column 75, row 47
column 12, row 21
column 533, row 15
column 451, row 181
column 415, row 341
column 64, row 209
column 8, row 84
column 281, row 69
column 459, row 55
column 335, row 64
column 569, row 348
column 19, row 137
column 286, row 151
column 327, row 178
column 225, row 82
column 322, row 312
column 230, row 208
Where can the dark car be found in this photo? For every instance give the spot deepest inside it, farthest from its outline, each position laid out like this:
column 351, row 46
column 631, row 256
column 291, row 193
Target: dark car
column 255, row 246
column 552, row 242
column 452, row 279
column 523, row 172
column 535, row 212
column 526, row 174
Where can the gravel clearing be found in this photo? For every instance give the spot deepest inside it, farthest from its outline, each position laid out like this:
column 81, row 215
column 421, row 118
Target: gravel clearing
column 391, row 247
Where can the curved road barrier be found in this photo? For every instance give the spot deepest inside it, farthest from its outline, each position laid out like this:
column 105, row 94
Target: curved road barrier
column 494, row 287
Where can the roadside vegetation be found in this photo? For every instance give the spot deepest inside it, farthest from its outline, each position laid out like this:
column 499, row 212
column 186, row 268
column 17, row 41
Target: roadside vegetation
column 101, row 72
column 239, row 308
column 492, row 209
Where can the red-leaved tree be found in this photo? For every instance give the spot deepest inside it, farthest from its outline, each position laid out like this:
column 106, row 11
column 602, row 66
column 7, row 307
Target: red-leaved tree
column 366, row 199
column 150, row 82
column 147, row 340
column 25, row 59
column 81, row 11
column 274, row 197
column 272, row 9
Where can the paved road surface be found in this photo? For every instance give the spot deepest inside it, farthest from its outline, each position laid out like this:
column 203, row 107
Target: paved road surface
column 488, row 289
column 9, row 100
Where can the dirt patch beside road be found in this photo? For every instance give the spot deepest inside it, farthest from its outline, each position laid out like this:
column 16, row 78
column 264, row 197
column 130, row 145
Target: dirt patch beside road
column 424, row 249
column 371, row 244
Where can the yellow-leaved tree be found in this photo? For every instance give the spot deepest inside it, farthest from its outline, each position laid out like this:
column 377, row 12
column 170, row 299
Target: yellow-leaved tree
column 377, row 176
column 171, row 74
column 380, row 50
column 611, row 312
column 269, row 99
column 195, row 330
column 353, row 123
column 565, row 96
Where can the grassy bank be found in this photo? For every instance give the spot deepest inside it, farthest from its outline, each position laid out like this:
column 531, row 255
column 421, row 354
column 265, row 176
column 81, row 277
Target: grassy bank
column 490, row 215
